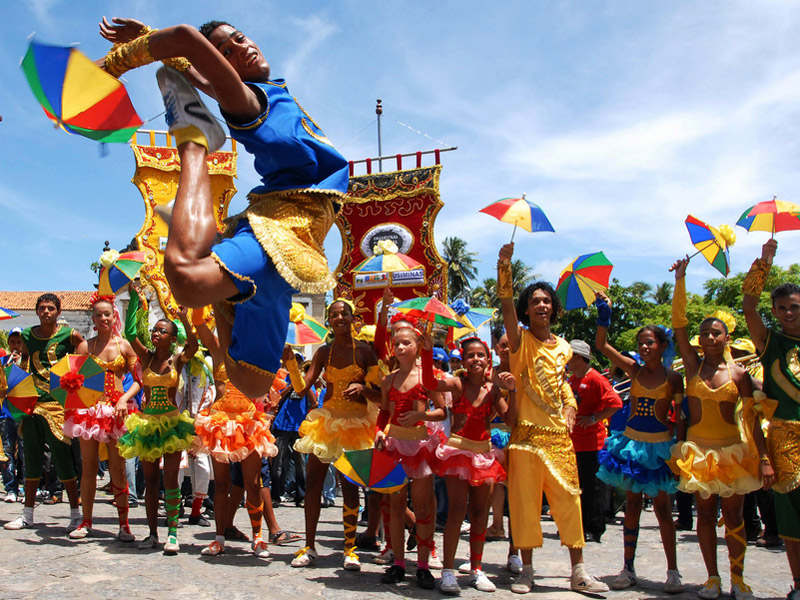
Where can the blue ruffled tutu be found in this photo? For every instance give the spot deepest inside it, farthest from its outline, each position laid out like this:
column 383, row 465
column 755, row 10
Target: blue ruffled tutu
column 500, row 438
column 636, row 466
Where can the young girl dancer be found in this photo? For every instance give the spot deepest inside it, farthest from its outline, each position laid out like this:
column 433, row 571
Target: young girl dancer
column 711, row 458
column 404, row 435
column 635, row 459
column 468, row 462
column 161, row 430
column 104, row 422
column 345, row 422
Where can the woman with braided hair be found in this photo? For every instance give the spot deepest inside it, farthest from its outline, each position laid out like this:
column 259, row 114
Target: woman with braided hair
column 160, row 431
column 104, row 422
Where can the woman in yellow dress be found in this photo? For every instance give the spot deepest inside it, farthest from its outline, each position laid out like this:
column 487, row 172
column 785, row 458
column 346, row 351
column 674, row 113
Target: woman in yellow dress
column 716, row 456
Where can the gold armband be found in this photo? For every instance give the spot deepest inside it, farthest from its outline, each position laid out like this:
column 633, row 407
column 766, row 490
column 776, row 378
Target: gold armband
column 679, row 319
column 505, row 286
column 298, row 382
column 756, row 278
column 124, row 57
column 178, row 63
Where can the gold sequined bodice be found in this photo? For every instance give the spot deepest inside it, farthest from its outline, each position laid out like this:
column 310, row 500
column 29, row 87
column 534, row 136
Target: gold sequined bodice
column 712, row 425
column 338, row 379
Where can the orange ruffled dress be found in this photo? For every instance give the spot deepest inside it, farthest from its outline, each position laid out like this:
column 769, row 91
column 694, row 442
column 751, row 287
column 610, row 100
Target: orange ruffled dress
column 717, row 457
column 340, row 424
column 233, row 428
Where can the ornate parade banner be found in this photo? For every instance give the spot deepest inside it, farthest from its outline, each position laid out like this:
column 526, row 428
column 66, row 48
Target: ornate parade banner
column 157, row 172
column 401, row 207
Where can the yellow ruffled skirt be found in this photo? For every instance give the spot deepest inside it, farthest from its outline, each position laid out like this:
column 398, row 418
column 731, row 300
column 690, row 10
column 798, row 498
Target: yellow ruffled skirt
column 723, row 471
column 152, row 436
column 327, row 435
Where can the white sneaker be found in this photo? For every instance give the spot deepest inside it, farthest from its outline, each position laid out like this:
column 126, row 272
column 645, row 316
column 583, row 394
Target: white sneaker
column 581, row 581
column 74, row 524
column 385, row 557
column 10, row 497
column 741, row 591
column 186, row 109
column 448, row 583
column 480, row 581
column 171, row 546
column 624, row 580
column 524, row 583
column 434, row 562
column 305, row 557
column 514, row 564
column 260, row 549
column 81, row 531
column 711, row 590
column 148, row 543
column 351, row 562
column 465, row 568
column 125, row 535
column 18, row 523
column 673, row 584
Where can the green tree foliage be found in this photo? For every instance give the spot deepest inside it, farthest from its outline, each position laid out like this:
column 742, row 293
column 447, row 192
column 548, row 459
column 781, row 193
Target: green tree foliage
column 461, row 269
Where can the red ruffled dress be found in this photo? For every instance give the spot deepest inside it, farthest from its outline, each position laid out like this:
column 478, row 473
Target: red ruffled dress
column 469, row 455
column 415, row 447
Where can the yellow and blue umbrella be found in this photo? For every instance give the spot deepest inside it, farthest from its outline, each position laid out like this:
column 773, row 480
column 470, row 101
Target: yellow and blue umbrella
column 710, row 243
column 6, row 313
column 77, row 381
column 303, row 329
column 587, row 274
column 772, row 216
column 120, row 272
column 77, row 95
column 372, row 469
column 21, row 396
column 520, row 213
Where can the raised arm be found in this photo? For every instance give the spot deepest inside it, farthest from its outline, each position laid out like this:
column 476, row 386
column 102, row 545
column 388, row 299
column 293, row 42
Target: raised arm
column 691, row 361
column 191, row 345
column 137, row 307
column 505, row 291
column 752, row 286
column 603, row 303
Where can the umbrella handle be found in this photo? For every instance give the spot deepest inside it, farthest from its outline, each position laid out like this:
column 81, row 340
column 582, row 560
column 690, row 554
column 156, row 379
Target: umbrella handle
column 512, row 233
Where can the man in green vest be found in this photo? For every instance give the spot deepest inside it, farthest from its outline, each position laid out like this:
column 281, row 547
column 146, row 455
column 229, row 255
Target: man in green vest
column 47, row 343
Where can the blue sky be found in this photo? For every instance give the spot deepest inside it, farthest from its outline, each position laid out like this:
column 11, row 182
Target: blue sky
column 617, row 118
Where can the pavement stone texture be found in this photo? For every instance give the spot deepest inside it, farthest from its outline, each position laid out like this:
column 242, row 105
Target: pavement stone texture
column 42, row 562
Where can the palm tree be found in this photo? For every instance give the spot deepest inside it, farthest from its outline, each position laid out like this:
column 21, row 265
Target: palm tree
column 663, row 293
column 461, row 267
column 521, row 276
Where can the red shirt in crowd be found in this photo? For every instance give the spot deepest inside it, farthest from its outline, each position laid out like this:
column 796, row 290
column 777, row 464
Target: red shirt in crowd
column 593, row 393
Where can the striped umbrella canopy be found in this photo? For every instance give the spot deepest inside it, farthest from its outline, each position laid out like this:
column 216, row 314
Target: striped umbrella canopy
column 772, row 216
column 587, row 274
column 303, row 329
column 428, row 308
column 77, row 95
column 520, row 212
column 77, row 381
column 372, row 469
column 119, row 272
column 21, row 396
column 710, row 243
column 7, row 313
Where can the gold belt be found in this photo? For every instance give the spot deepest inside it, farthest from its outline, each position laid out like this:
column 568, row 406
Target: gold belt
column 398, row 432
column 647, row 436
column 462, row 443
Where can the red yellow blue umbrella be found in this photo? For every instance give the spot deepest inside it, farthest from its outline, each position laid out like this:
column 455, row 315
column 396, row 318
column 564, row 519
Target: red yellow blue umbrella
column 427, row 308
column 519, row 212
column 6, row 313
column 79, row 96
column 119, row 271
column 587, row 274
column 772, row 216
column 77, row 381
column 712, row 243
column 372, row 469
column 21, row 395
column 303, row 329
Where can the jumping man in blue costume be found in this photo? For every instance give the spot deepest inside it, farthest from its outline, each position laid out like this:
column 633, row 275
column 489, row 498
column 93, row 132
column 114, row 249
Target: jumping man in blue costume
column 273, row 248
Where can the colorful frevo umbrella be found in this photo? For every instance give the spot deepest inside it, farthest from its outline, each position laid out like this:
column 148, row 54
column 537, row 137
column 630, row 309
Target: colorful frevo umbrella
column 476, row 317
column 115, row 276
column 386, row 259
column 772, row 216
column 7, row 313
column 587, row 274
column 427, row 308
column 77, row 381
column 372, row 469
column 711, row 243
column 21, row 396
column 520, row 212
column 77, row 95
column 303, row 329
